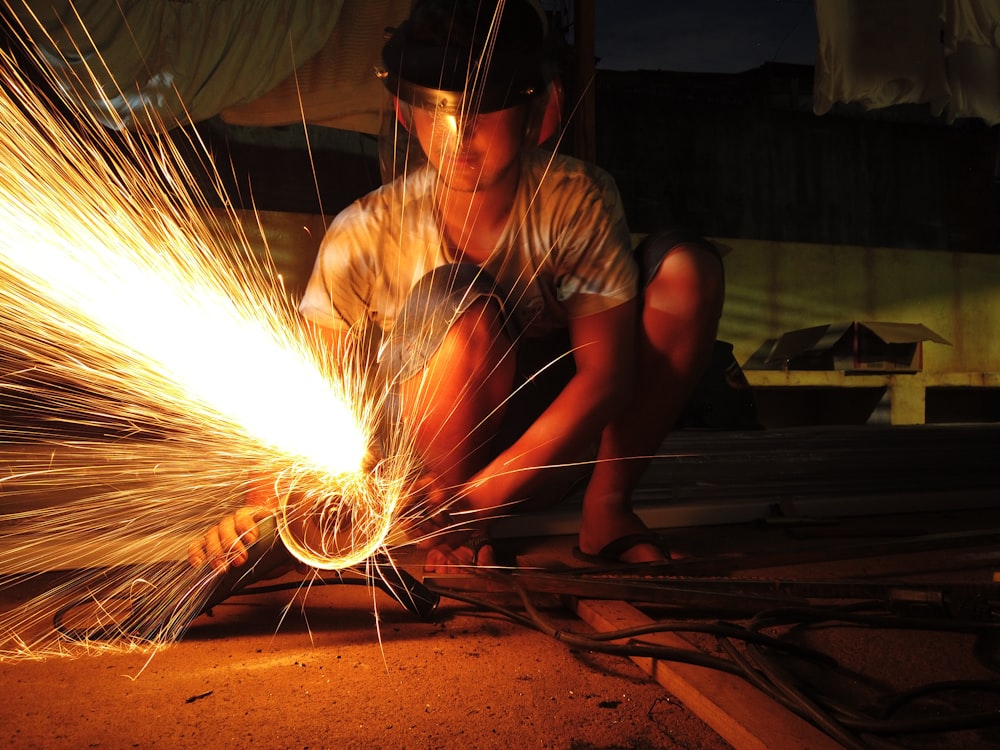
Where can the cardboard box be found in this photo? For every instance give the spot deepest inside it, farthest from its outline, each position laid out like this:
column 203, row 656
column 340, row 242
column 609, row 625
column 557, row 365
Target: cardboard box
column 868, row 346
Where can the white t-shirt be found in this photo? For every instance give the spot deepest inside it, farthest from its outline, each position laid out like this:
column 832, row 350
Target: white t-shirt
column 565, row 252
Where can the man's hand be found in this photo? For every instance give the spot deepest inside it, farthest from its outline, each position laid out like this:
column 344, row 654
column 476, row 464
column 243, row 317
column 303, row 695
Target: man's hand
column 225, row 545
column 457, row 556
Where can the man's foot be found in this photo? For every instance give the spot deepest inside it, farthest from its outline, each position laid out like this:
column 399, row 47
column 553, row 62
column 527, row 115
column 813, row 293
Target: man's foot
column 448, row 559
column 640, row 547
column 623, row 539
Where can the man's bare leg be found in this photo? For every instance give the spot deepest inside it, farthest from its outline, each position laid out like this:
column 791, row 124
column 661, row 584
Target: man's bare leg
column 454, row 409
column 679, row 323
column 455, row 405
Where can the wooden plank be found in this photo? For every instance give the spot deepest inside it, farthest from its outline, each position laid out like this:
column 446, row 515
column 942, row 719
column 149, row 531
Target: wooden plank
column 906, row 390
column 738, row 712
column 671, row 514
column 862, row 379
column 819, row 379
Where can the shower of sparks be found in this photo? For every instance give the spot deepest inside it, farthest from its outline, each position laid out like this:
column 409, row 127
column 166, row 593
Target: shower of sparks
column 153, row 376
column 152, row 371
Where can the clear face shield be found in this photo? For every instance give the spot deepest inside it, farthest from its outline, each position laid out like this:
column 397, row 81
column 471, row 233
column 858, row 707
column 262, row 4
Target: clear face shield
column 454, row 116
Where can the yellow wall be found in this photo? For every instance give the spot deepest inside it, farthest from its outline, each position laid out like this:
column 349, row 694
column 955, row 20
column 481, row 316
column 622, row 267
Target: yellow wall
column 773, row 287
column 289, row 240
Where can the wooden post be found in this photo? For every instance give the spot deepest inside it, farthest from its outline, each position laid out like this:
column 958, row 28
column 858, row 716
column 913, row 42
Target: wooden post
column 585, row 57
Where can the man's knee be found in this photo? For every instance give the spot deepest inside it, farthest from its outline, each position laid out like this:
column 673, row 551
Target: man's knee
column 689, row 284
column 478, row 335
column 451, row 312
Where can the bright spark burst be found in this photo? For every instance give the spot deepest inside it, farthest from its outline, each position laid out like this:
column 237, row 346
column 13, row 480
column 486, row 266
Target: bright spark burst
column 142, row 319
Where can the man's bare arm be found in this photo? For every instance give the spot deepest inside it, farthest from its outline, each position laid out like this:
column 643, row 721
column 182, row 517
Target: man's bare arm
column 604, row 353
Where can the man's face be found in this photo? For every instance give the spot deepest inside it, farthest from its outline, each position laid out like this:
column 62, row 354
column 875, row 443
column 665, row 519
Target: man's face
column 471, row 153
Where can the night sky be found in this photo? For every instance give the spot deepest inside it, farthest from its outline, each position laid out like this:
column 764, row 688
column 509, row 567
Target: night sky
column 712, row 36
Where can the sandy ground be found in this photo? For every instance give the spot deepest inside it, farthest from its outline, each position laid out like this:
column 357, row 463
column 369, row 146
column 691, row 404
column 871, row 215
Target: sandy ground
column 326, row 677
column 327, row 673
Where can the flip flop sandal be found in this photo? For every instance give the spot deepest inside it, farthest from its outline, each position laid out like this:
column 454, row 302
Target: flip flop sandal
column 612, row 552
column 476, row 544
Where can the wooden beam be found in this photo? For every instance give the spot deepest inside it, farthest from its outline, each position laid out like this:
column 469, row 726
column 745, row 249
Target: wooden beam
column 738, row 712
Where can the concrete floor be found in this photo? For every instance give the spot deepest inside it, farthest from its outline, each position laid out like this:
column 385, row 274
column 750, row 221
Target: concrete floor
column 347, row 667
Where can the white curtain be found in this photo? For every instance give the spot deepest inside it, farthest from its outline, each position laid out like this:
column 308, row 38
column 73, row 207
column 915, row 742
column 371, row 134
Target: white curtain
column 257, row 62
column 337, row 87
column 945, row 53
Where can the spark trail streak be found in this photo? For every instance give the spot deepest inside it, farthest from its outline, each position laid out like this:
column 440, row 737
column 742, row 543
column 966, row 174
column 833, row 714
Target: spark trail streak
column 132, row 314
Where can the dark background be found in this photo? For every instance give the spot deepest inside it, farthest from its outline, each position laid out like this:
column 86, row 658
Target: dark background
column 704, row 117
column 738, row 155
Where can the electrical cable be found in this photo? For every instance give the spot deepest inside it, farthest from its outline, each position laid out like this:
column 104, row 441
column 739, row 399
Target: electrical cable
column 719, row 629
column 808, row 710
column 841, row 723
column 800, row 703
column 788, row 615
column 908, row 696
column 857, row 721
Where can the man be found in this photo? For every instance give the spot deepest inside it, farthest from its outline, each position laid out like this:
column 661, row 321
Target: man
column 484, row 271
